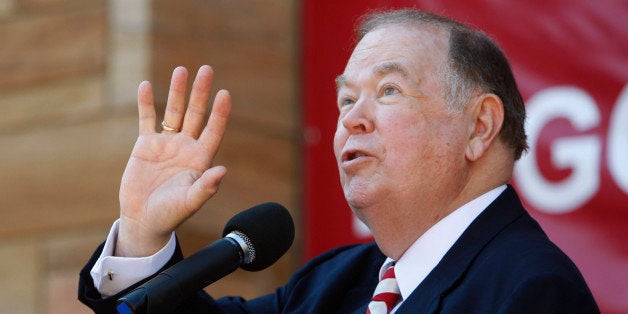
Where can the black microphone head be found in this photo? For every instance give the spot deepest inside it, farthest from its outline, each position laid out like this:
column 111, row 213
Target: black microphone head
column 269, row 229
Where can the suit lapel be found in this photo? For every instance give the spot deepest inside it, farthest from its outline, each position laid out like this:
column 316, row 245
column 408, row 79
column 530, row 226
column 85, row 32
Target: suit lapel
column 427, row 296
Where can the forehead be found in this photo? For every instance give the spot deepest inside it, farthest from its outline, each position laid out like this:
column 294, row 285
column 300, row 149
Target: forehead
column 408, row 48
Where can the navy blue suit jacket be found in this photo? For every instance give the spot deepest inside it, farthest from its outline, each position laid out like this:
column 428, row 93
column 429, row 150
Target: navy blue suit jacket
column 503, row 263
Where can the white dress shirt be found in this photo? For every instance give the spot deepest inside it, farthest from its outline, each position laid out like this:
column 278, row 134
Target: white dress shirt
column 113, row 274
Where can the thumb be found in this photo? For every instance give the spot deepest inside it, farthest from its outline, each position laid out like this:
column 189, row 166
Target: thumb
column 206, row 186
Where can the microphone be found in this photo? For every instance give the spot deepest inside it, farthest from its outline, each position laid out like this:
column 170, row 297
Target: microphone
column 253, row 240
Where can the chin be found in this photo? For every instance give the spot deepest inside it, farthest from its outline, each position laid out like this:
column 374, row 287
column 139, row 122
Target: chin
column 357, row 201
column 361, row 207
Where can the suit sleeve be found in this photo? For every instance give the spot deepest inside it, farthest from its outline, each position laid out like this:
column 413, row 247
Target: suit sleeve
column 199, row 302
column 89, row 295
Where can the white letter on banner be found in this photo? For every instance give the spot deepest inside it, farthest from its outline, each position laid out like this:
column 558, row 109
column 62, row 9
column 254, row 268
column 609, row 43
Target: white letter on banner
column 618, row 141
column 581, row 153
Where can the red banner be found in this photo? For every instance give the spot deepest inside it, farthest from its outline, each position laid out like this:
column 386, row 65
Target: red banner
column 570, row 61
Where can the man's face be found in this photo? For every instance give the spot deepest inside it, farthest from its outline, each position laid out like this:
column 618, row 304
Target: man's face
column 397, row 145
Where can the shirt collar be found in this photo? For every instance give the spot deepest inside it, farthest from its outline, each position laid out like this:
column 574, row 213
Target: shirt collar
column 427, row 251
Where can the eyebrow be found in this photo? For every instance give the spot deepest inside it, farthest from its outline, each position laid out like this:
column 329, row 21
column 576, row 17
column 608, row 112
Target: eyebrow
column 388, row 67
column 381, row 69
column 341, row 80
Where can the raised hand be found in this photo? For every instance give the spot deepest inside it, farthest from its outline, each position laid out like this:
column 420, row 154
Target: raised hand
column 170, row 174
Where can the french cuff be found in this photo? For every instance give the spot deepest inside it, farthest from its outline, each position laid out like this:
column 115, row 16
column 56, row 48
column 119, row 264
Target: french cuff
column 112, row 274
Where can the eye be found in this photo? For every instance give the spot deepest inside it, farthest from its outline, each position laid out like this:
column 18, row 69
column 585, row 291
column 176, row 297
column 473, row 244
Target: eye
column 346, row 102
column 390, row 90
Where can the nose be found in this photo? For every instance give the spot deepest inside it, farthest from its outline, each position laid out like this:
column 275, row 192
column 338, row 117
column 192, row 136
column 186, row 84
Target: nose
column 359, row 118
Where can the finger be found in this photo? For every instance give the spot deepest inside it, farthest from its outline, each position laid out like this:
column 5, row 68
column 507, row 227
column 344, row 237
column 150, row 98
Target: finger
column 146, row 108
column 206, row 186
column 217, row 123
column 197, row 106
column 175, row 106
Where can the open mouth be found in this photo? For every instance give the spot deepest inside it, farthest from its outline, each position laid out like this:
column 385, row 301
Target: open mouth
column 351, row 155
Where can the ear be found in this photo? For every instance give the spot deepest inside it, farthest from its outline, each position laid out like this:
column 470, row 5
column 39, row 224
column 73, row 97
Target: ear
column 487, row 116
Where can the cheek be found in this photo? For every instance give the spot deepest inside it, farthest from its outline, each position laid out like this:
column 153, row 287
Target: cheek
column 428, row 147
column 447, row 149
column 339, row 140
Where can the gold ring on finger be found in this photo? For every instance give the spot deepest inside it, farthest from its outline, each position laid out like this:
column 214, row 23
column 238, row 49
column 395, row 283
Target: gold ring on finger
column 168, row 128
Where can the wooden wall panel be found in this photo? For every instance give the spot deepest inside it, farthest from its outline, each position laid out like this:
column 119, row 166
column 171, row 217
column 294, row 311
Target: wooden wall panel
column 252, row 47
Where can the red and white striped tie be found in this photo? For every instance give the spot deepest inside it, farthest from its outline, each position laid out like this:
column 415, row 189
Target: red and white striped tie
column 386, row 294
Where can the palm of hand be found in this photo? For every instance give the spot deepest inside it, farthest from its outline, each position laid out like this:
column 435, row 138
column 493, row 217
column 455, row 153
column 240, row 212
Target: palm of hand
column 158, row 178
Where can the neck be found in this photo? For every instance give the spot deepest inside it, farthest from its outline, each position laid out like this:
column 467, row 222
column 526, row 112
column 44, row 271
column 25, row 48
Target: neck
column 394, row 234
